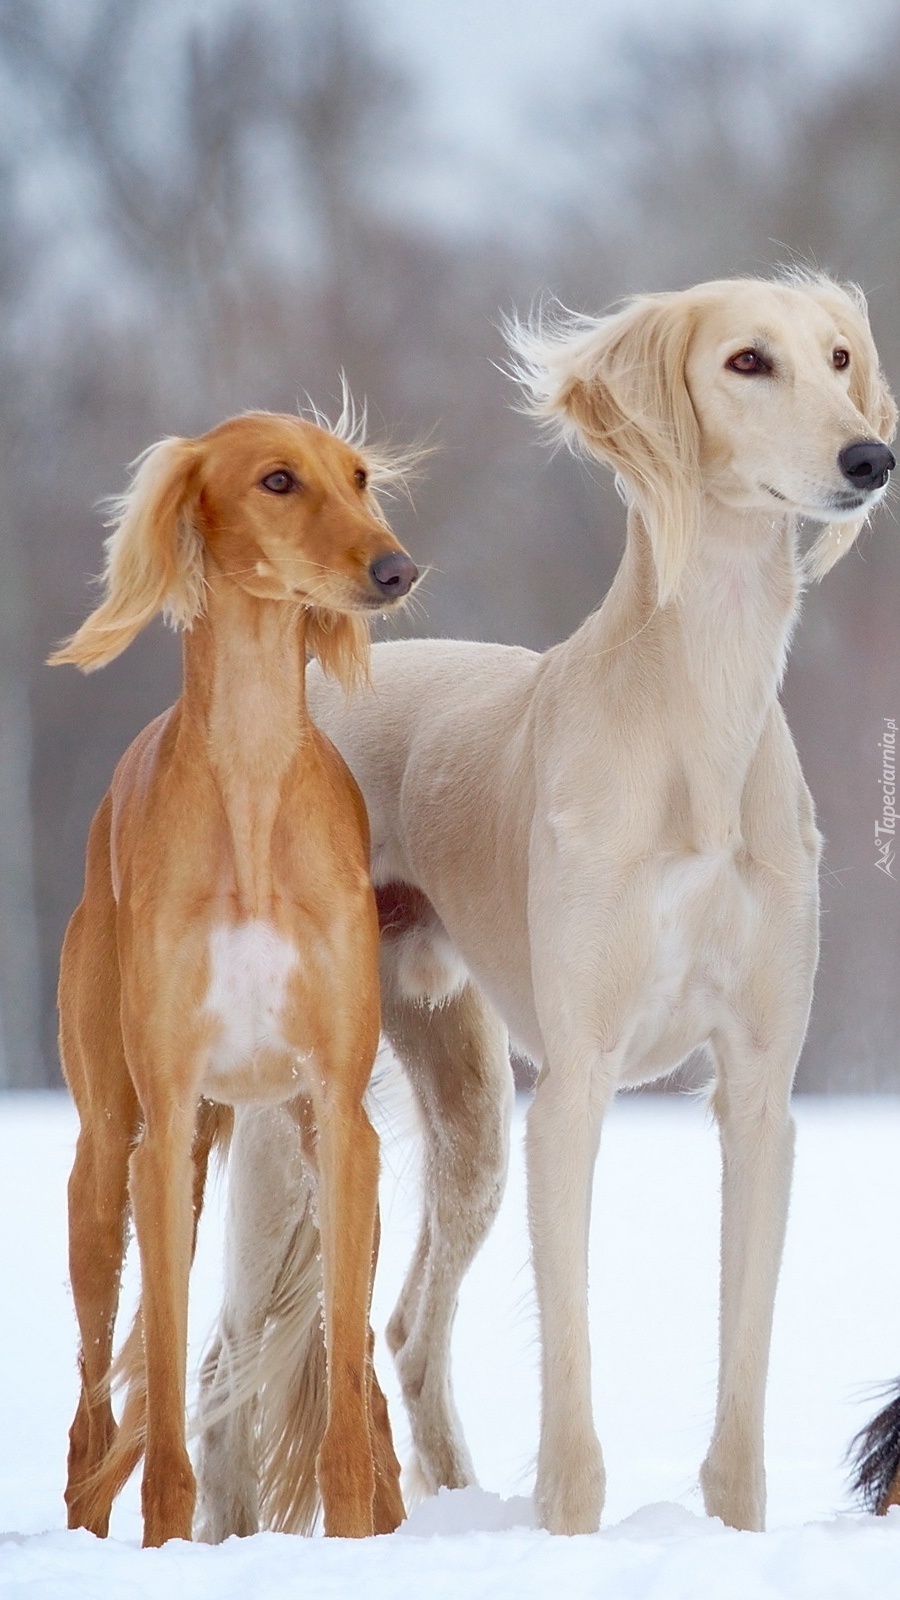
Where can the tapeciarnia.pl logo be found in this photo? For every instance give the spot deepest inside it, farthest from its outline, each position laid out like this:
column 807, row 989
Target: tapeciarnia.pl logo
column 885, row 830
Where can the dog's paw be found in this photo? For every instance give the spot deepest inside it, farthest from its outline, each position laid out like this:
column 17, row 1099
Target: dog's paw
column 571, row 1488
column 734, row 1493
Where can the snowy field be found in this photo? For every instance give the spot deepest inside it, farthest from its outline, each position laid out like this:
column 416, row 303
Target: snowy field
column 837, row 1331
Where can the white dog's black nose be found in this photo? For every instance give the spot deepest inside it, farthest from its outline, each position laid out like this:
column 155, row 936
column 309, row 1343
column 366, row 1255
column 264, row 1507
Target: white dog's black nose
column 394, row 575
column 866, row 464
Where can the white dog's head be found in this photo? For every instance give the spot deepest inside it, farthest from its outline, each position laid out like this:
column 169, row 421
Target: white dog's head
column 761, row 395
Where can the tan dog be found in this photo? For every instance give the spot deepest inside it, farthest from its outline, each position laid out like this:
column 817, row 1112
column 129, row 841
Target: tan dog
column 226, row 946
column 611, row 847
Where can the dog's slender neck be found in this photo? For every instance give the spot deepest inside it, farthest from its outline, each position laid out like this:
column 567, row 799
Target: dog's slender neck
column 244, row 705
column 718, row 650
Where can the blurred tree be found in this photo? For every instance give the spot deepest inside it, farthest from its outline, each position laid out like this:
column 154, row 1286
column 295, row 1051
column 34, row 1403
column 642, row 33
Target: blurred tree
column 680, row 137
column 230, row 186
column 22, row 1061
column 204, row 208
column 167, row 196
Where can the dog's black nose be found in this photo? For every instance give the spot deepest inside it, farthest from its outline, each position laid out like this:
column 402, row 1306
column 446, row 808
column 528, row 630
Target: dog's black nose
column 394, row 575
column 866, row 465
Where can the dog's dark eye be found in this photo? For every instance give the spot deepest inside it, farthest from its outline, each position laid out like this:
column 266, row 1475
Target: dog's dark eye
column 841, row 359
column 361, row 478
column 280, row 482
column 749, row 362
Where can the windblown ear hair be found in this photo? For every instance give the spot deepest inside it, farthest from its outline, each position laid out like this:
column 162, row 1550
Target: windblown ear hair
column 154, row 558
column 616, row 385
column 340, row 642
column 388, row 466
column 869, row 393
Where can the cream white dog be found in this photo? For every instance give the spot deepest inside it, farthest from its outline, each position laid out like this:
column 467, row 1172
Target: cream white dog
column 609, row 851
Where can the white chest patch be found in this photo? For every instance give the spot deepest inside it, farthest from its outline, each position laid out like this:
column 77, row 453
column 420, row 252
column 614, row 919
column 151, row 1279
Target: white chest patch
column 249, row 970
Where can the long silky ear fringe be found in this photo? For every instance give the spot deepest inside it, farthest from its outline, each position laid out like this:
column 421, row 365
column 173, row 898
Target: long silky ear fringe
column 612, row 385
column 154, row 560
column 341, row 644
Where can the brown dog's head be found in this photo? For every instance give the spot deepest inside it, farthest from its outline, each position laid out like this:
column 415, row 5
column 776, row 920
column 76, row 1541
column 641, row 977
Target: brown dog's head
column 282, row 507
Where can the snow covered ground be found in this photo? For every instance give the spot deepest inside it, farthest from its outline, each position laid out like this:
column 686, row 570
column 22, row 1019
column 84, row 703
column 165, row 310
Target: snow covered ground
column 654, row 1331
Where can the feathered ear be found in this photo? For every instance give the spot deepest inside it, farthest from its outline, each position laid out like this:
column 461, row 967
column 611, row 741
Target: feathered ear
column 617, row 386
column 871, row 396
column 154, row 558
column 340, row 642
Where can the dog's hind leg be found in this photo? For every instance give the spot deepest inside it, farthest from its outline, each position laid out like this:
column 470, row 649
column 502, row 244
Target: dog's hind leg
column 96, row 1072
column 98, row 1207
column 456, row 1056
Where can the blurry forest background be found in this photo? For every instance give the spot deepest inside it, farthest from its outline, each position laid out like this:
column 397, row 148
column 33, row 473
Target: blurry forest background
column 207, row 207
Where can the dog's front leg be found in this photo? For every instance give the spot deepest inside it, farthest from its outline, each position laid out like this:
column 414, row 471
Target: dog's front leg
column 563, row 1134
column 584, row 923
column 756, row 1054
column 348, row 1199
column 756, row 1049
column 751, row 1103
column 161, row 1193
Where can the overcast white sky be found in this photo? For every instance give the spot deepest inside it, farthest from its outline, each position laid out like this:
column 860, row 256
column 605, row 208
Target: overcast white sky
column 489, row 77
column 484, row 65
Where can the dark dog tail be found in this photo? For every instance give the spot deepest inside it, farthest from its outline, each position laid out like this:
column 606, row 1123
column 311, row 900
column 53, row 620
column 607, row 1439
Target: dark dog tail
column 875, row 1458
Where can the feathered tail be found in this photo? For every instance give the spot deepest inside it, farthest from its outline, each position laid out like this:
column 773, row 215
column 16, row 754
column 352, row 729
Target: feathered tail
column 263, row 1406
column 875, row 1458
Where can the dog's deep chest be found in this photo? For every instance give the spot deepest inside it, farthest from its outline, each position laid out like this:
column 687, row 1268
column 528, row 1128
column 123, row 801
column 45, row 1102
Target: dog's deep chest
column 705, row 911
column 705, row 925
